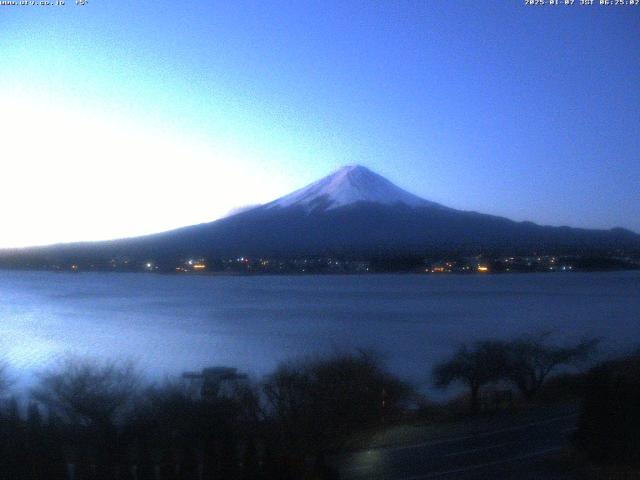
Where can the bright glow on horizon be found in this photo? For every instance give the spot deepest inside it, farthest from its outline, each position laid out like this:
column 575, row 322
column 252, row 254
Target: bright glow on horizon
column 74, row 173
column 120, row 120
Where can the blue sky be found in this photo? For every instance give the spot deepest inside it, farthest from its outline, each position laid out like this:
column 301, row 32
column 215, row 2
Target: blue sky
column 122, row 118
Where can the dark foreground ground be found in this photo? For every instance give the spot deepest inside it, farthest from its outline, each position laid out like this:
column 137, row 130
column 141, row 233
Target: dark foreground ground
column 525, row 445
column 103, row 422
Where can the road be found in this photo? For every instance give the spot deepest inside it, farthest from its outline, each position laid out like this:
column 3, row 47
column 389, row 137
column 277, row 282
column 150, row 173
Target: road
column 512, row 451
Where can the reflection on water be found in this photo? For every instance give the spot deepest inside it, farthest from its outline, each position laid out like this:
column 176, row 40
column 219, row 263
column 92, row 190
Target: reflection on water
column 174, row 323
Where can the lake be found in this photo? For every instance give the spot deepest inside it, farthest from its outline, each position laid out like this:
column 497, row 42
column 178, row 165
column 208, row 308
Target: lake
column 172, row 323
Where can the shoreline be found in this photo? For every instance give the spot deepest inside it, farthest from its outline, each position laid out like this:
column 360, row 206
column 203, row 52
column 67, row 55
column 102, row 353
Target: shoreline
column 307, row 274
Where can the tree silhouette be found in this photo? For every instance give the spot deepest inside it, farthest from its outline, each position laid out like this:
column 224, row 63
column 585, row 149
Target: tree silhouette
column 474, row 366
column 530, row 360
column 314, row 405
column 83, row 392
column 91, row 400
column 609, row 424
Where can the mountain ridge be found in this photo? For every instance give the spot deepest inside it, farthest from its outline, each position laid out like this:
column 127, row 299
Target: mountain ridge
column 352, row 212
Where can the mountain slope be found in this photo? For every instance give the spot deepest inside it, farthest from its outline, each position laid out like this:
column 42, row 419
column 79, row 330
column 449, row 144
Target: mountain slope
column 353, row 212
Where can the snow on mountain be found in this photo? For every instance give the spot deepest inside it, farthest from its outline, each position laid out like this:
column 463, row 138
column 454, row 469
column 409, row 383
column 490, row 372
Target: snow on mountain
column 348, row 185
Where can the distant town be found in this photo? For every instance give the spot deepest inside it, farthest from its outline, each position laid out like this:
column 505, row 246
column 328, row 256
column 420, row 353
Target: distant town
column 432, row 265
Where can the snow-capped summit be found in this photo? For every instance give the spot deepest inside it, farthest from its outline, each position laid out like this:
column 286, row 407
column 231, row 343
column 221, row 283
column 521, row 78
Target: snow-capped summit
column 348, row 185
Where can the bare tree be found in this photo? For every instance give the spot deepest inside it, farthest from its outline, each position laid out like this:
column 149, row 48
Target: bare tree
column 83, row 392
column 475, row 367
column 530, row 360
column 325, row 399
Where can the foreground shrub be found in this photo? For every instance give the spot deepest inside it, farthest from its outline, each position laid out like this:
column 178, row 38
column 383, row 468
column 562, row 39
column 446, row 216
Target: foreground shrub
column 89, row 404
column 609, row 427
column 316, row 404
column 85, row 393
column 91, row 420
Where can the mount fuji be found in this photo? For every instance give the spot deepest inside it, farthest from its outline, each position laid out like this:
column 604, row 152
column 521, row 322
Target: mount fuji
column 352, row 212
column 349, row 185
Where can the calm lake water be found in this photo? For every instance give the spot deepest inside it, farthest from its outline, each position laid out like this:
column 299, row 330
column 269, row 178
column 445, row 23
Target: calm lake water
column 169, row 324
